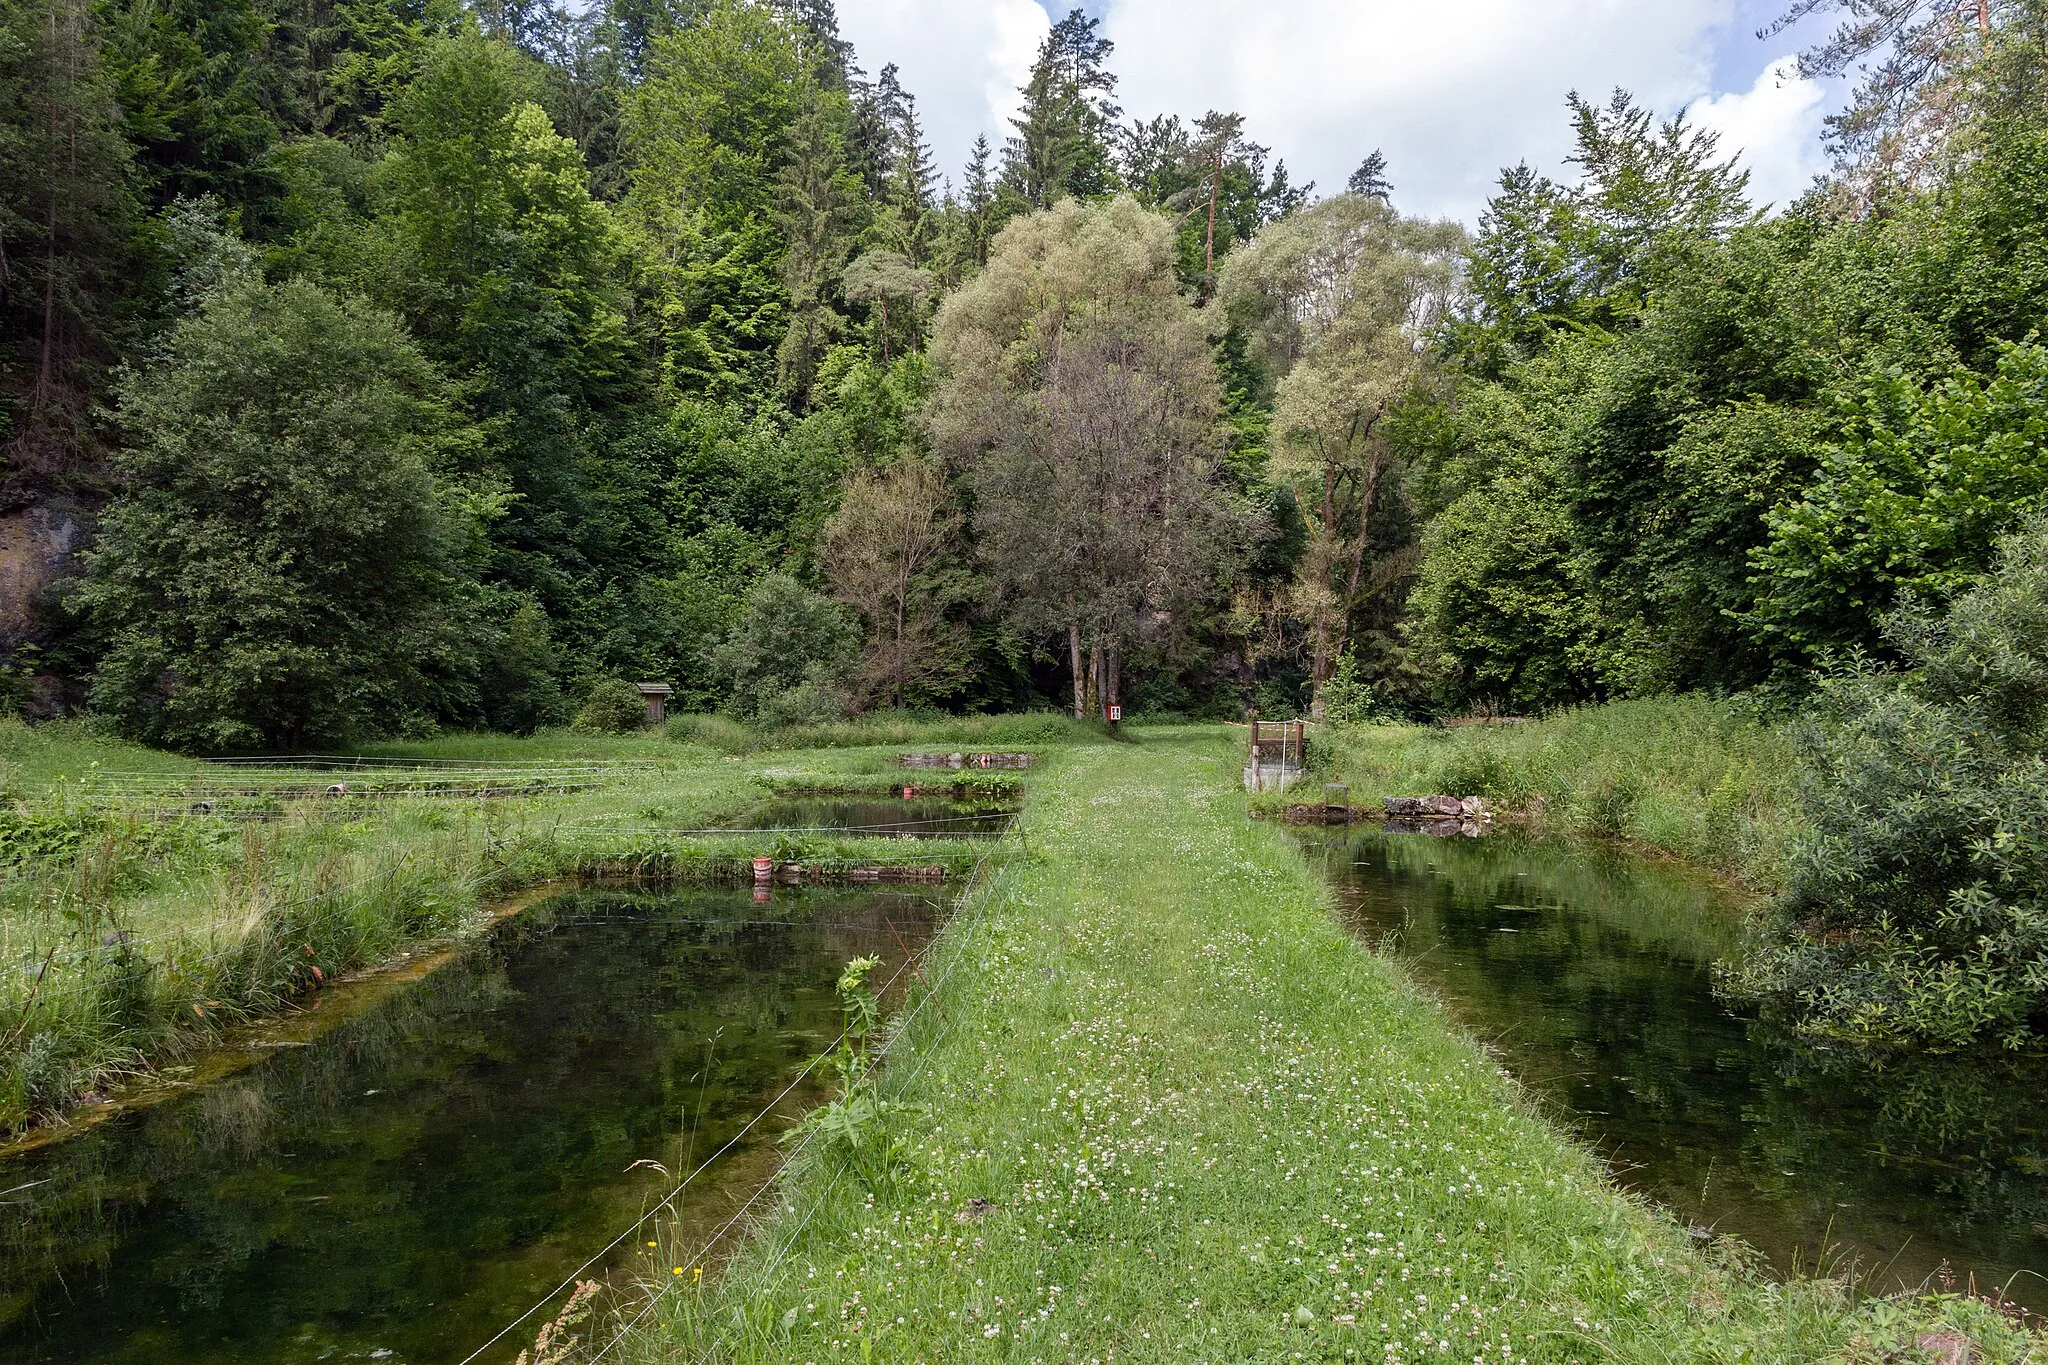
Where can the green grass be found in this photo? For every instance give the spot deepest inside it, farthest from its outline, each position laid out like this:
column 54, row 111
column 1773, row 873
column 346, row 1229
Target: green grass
column 132, row 933
column 33, row 761
column 1703, row 778
column 1211, row 1126
column 891, row 728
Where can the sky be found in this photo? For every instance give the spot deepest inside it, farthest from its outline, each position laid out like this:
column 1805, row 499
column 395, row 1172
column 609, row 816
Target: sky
column 1451, row 90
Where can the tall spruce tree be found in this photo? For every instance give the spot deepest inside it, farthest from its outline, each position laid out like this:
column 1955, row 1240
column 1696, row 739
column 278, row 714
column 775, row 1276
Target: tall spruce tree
column 1061, row 147
column 820, row 208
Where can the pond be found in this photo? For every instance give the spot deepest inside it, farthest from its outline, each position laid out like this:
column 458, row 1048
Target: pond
column 921, row 817
column 1590, row 973
column 427, row 1156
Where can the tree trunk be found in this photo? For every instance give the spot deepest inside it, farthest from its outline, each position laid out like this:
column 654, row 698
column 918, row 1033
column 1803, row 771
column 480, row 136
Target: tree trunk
column 1350, row 602
column 1095, row 677
column 1074, row 656
column 1111, row 705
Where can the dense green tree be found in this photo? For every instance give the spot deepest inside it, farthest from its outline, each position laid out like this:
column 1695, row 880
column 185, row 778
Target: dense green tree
column 1213, row 180
column 1915, row 913
column 785, row 658
column 709, row 132
column 284, row 567
column 1341, row 300
column 818, row 213
column 1062, row 145
column 67, row 209
column 1912, row 500
column 1078, row 393
column 1551, row 256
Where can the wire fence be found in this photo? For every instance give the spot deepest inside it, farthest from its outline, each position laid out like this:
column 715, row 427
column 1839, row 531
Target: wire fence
column 978, row 882
column 962, row 951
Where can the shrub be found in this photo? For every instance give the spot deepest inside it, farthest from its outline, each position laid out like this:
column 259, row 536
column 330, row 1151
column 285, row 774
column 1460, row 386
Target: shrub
column 1347, row 698
column 1918, row 906
column 789, row 640
column 612, row 707
column 283, row 566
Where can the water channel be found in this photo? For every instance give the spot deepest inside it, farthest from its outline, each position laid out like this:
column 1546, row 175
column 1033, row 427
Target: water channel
column 396, row 1174
column 918, row 818
column 1590, row 972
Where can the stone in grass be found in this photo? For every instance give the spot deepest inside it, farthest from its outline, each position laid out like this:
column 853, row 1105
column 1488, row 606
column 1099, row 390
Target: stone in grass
column 1303, row 1317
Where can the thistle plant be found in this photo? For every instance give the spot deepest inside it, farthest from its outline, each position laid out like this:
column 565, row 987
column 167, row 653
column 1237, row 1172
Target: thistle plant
column 854, row 1125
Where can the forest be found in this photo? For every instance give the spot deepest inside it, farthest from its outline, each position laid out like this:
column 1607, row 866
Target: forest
column 371, row 367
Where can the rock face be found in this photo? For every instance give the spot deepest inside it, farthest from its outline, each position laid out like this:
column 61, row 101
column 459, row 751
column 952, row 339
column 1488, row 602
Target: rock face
column 1446, row 806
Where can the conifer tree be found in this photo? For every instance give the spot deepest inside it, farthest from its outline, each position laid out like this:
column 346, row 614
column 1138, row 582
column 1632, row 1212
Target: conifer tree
column 819, row 210
column 909, row 191
column 977, row 200
column 1062, row 142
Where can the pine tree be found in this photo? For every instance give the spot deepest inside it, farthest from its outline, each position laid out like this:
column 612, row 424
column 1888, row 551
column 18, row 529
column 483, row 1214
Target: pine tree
column 909, row 192
column 820, row 206
column 1370, row 179
column 819, row 21
column 978, row 199
column 871, row 142
column 1061, row 147
column 65, row 208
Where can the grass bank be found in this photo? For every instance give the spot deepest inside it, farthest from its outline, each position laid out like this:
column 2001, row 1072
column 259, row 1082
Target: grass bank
column 1706, row 778
column 135, row 926
column 1162, row 1107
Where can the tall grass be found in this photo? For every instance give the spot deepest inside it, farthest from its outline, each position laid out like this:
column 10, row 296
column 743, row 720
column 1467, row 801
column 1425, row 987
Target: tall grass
column 1711, row 779
column 129, row 938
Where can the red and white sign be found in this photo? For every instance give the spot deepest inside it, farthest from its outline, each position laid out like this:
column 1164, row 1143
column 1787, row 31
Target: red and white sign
column 1116, row 713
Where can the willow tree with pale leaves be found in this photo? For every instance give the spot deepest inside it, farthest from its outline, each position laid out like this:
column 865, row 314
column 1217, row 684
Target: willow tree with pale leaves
column 1079, row 400
column 1341, row 300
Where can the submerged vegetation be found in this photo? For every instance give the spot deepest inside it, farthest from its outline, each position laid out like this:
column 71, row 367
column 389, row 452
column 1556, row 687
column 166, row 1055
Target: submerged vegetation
column 141, row 916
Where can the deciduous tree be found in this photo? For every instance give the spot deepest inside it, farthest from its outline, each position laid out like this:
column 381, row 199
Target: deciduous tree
column 1078, row 395
column 1343, row 299
column 285, row 567
column 892, row 552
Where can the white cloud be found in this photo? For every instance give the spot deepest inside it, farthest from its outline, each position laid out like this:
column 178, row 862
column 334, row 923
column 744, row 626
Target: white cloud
column 963, row 59
column 1776, row 125
column 1451, row 90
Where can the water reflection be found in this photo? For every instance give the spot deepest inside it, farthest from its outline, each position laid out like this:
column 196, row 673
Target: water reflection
column 423, row 1171
column 1591, row 973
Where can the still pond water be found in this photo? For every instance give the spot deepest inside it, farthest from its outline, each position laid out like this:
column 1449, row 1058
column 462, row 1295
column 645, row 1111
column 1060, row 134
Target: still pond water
column 442, row 1151
column 1590, row 972
column 922, row 818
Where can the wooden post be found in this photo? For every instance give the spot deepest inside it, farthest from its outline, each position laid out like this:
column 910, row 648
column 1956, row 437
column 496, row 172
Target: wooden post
column 1112, row 706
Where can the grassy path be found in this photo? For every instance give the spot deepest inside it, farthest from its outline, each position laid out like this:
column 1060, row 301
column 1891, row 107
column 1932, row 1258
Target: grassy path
column 1209, row 1125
